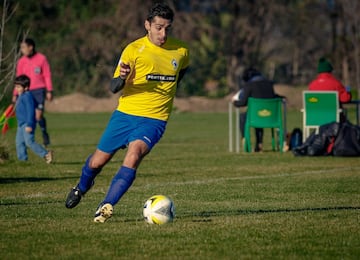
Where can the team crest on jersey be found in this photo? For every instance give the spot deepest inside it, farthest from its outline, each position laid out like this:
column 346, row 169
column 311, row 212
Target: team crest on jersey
column 175, row 64
column 37, row 70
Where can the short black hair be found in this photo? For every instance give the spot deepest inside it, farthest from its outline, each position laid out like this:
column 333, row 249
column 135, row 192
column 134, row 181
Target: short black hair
column 249, row 73
column 29, row 42
column 162, row 10
column 22, row 80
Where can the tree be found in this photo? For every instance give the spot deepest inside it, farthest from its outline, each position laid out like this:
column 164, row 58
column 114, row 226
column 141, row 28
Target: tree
column 8, row 54
column 283, row 38
column 351, row 36
column 8, row 58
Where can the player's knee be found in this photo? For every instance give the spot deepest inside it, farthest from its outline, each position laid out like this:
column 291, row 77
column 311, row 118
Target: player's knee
column 96, row 163
column 132, row 159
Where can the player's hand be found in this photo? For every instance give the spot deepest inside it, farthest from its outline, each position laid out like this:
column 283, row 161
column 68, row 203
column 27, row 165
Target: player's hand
column 49, row 96
column 14, row 98
column 124, row 70
column 28, row 129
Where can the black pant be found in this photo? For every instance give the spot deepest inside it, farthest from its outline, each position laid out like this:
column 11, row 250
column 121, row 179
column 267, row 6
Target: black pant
column 259, row 132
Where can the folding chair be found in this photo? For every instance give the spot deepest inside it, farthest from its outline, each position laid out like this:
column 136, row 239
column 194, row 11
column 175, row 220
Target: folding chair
column 264, row 113
column 319, row 108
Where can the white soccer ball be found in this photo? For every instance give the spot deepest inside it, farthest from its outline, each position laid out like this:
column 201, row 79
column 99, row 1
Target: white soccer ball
column 159, row 210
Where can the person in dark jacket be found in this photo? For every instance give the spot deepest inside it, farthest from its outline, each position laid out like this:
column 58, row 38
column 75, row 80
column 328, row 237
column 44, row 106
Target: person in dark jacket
column 256, row 86
column 25, row 115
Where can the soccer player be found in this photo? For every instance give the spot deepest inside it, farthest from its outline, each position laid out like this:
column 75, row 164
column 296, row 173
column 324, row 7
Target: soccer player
column 35, row 65
column 148, row 72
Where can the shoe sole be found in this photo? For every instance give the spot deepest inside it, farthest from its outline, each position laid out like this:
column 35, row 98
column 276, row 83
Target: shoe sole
column 106, row 212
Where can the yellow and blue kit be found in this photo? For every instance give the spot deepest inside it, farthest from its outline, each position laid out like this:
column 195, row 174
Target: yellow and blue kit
column 147, row 97
column 151, row 86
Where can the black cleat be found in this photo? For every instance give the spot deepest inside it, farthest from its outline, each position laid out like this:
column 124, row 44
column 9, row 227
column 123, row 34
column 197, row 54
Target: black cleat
column 73, row 198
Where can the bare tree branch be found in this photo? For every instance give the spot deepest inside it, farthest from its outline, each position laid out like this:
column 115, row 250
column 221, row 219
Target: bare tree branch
column 8, row 60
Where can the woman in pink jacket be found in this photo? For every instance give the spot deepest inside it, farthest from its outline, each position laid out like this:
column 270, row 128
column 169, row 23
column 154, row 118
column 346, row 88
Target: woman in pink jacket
column 35, row 65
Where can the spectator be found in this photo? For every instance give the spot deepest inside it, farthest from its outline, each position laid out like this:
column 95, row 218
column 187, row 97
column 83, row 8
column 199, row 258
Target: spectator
column 325, row 81
column 35, row 65
column 25, row 114
column 256, row 86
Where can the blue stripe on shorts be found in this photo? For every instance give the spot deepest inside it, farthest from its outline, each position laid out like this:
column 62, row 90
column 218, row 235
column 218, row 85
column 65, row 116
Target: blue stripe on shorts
column 124, row 128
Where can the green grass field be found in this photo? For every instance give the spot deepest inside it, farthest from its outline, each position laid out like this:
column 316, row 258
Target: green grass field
column 228, row 206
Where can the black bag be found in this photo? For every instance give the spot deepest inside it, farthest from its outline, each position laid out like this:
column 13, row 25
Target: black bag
column 295, row 138
column 333, row 139
column 319, row 144
column 347, row 142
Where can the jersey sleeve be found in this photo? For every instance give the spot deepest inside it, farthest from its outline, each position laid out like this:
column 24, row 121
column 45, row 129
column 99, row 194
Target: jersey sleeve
column 19, row 67
column 344, row 96
column 47, row 75
column 186, row 62
column 19, row 71
column 126, row 58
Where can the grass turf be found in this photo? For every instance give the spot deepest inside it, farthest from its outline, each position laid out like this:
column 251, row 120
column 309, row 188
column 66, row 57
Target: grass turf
column 228, row 205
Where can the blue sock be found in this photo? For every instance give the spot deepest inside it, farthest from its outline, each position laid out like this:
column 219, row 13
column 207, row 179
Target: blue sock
column 87, row 177
column 42, row 124
column 120, row 184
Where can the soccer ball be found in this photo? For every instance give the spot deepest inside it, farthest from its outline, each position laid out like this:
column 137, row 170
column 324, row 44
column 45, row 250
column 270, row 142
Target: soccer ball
column 159, row 210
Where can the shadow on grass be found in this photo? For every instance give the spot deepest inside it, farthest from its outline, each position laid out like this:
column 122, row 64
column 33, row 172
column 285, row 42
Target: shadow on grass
column 205, row 216
column 72, row 145
column 68, row 163
column 11, row 180
column 208, row 214
column 25, row 203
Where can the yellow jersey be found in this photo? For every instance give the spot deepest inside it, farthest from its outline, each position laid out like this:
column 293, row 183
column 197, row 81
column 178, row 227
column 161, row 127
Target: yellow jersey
column 151, row 85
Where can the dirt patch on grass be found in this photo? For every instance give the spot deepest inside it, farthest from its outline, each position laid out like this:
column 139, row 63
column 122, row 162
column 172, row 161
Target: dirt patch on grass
column 85, row 104
column 78, row 102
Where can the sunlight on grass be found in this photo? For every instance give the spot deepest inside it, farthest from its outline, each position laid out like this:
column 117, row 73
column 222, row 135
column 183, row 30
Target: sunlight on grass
column 228, row 206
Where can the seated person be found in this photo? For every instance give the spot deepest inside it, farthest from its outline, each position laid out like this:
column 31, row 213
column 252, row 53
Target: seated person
column 325, row 81
column 256, row 86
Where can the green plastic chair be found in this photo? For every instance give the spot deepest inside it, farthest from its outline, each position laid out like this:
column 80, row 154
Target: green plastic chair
column 319, row 108
column 264, row 113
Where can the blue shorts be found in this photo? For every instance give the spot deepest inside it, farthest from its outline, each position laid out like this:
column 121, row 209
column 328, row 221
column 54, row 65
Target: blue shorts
column 39, row 96
column 124, row 128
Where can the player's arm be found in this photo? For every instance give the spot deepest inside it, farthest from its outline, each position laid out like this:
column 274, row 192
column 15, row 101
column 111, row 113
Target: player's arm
column 185, row 65
column 181, row 74
column 118, row 83
column 344, row 94
column 19, row 71
column 244, row 97
column 47, row 78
